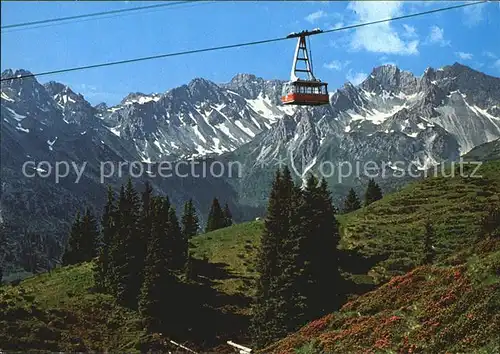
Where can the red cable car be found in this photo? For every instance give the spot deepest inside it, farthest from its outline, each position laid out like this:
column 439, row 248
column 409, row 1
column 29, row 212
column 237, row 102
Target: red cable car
column 308, row 92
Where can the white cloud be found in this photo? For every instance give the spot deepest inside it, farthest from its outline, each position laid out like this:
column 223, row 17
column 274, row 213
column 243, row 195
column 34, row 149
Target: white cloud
column 356, row 78
column 410, row 31
column 379, row 38
column 315, row 16
column 336, row 65
column 464, row 56
column 436, row 36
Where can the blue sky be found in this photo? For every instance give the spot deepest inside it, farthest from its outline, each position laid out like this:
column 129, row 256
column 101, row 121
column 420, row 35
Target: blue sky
column 470, row 36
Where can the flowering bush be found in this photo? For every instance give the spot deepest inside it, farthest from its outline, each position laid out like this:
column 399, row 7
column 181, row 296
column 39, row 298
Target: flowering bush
column 428, row 310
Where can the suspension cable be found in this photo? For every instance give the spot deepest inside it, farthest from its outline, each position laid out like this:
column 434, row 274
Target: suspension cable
column 94, row 14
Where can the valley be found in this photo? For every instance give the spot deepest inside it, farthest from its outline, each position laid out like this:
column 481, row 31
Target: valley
column 403, row 123
column 416, row 130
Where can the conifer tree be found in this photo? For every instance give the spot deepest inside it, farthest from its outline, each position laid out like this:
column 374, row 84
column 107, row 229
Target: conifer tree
column 352, row 202
column 155, row 296
column 428, row 248
column 145, row 222
column 314, row 232
column 329, row 286
column 83, row 239
column 267, row 322
column 72, row 253
column 117, row 247
column 290, row 283
column 216, row 218
column 228, row 217
column 373, row 192
column 102, row 271
column 180, row 245
column 89, row 243
column 190, row 222
column 128, row 272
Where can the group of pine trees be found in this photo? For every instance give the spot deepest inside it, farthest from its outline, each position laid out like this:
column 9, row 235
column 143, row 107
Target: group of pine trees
column 140, row 248
column 372, row 194
column 299, row 279
column 83, row 239
column 218, row 217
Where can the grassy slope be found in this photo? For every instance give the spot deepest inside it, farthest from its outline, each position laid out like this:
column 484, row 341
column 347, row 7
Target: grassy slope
column 394, row 226
column 453, row 308
column 56, row 311
column 235, row 249
column 391, row 228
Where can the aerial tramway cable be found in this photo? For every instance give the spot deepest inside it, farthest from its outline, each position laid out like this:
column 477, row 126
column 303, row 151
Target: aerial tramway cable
column 181, row 5
column 52, row 21
column 210, row 49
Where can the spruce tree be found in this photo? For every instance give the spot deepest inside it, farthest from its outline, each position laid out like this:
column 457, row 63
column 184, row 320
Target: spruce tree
column 216, row 218
column 228, row 217
column 157, row 288
column 290, row 283
column 267, row 323
column 117, row 247
column 145, row 219
column 314, row 232
column 373, row 192
column 351, row 202
column 72, row 254
column 190, row 222
column 131, row 249
column 179, row 247
column 329, row 286
column 102, row 271
column 428, row 248
column 89, row 243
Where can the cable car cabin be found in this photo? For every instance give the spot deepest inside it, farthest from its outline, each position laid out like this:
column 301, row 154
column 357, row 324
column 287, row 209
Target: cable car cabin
column 299, row 91
column 305, row 93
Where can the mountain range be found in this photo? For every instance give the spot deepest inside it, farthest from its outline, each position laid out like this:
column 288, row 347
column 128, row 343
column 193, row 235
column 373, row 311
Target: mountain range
column 399, row 121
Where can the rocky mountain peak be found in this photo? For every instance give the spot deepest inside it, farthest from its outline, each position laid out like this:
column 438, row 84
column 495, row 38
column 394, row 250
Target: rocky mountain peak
column 101, row 106
column 391, row 79
column 54, row 87
column 140, row 98
column 9, row 73
column 243, row 78
column 252, row 87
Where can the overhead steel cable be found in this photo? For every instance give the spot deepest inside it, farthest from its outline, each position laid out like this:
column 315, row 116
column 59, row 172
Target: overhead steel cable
column 194, row 51
column 94, row 14
column 182, row 4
